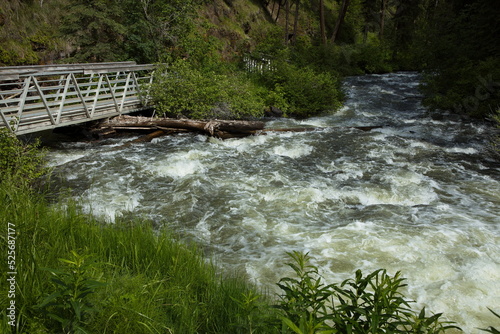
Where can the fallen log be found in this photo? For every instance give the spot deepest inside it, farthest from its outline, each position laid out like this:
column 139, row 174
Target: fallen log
column 223, row 129
column 215, row 128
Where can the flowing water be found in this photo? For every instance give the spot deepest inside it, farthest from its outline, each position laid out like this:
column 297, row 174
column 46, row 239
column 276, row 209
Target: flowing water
column 416, row 195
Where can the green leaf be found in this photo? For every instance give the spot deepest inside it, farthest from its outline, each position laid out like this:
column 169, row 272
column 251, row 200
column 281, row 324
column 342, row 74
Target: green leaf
column 291, row 325
column 49, row 299
column 68, row 261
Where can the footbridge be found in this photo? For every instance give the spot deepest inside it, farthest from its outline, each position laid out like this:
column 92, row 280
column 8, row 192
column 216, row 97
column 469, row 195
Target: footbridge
column 43, row 97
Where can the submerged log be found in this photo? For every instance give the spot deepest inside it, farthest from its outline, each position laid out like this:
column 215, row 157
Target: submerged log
column 362, row 128
column 149, row 137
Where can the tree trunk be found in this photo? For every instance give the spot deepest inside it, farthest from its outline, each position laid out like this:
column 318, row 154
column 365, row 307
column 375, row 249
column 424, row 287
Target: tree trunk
column 382, row 19
column 340, row 20
column 215, row 128
column 296, row 21
column 287, row 15
column 322, row 21
column 278, row 13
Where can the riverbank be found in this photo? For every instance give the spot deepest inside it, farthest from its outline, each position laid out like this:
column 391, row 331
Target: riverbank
column 74, row 272
column 70, row 273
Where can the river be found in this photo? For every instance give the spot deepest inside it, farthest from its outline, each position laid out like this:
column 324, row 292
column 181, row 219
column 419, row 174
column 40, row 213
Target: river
column 417, row 195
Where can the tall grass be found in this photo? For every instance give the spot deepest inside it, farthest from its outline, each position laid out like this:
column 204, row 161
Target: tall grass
column 152, row 283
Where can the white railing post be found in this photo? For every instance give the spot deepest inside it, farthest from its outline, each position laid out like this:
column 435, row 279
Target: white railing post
column 7, row 125
column 58, row 93
column 96, row 97
column 22, row 101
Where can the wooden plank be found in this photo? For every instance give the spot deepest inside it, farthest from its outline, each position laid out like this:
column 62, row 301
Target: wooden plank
column 8, row 76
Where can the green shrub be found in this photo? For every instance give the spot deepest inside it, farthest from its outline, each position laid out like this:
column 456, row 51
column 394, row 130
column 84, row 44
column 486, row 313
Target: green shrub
column 68, row 305
column 181, row 89
column 467, row 88
column 302, row 91
column 365, row 304
column 310, row 93
column 305, row 299
column 20, row 163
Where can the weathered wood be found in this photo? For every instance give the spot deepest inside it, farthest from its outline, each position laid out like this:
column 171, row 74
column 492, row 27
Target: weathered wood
column 149, row 137
column 216, row 128
column 362, row 128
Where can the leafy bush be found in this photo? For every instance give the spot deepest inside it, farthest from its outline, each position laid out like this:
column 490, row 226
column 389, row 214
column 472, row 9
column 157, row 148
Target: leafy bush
column 370, row 304
column 181, row 89
column 310, row 93
column 370, row 57
column 68, row 305
column 467, row 88
column 20, row 163
column 302, row 91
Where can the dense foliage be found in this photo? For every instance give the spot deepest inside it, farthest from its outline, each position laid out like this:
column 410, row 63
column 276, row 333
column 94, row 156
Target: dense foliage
column 463, row 59
column 454, row 41
column 365, row 304
column 183, row 90
column 20, row 163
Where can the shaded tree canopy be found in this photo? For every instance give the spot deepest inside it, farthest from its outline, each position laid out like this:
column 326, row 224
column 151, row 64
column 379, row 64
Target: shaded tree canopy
column 454, row 41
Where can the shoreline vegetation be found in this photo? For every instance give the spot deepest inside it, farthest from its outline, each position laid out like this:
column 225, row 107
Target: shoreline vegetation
column 72, row 273
column 239, row 57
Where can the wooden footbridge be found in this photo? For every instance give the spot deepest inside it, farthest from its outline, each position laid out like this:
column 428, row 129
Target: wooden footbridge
column 43, row 97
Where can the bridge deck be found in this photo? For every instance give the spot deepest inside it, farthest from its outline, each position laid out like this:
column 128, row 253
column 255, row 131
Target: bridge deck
column 37, row 98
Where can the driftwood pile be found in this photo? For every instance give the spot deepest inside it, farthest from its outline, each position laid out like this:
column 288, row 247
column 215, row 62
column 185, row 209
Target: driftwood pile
column 223, row 129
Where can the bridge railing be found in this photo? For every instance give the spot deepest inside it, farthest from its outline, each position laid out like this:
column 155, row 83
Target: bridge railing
column 35, row 98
